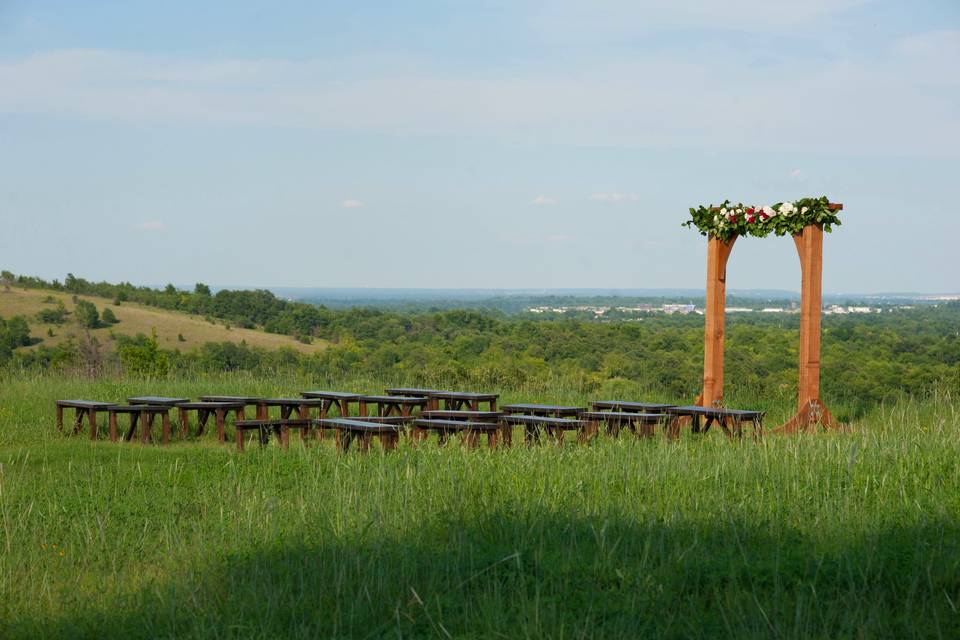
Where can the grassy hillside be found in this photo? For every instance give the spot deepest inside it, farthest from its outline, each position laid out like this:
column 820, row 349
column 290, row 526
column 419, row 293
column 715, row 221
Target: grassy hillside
column 135, row 319
column 830, row 536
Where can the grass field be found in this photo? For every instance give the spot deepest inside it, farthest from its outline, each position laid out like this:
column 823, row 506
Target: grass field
column 828, row 536
column 135, row 318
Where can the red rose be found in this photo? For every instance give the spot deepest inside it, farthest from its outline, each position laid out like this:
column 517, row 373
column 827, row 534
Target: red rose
column 750, row 210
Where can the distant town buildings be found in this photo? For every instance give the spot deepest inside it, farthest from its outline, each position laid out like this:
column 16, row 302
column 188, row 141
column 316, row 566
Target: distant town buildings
column 600, row 312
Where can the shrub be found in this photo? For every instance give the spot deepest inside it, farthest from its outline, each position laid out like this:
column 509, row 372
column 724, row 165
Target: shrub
column 141, row 355
column 87, row 314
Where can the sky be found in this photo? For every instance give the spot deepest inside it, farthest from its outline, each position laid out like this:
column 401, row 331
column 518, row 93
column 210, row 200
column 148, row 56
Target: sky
column 475, row 144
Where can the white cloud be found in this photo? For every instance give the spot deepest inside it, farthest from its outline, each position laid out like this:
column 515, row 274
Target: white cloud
column 615, row 198
column 699, row 99
column 796, row 174
column 543, row 200
column 152, row 225
column 350, row 203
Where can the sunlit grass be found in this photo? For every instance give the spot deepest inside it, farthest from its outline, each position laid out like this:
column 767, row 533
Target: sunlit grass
column 834, row 535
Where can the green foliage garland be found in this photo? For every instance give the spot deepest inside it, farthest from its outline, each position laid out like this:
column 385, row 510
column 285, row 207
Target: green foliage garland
column 727, row 221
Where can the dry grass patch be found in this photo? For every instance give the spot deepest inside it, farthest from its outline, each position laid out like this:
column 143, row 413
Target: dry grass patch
column 135, row 318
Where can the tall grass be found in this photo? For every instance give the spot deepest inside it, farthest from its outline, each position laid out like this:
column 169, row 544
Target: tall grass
column 833, row 535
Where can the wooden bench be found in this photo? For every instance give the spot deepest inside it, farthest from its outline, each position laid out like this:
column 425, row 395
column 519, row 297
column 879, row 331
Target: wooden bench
column 469, row 431
column 290, row 406
column 392, row 405
column 142, row 415
column 339, row 400
column 642, row 424
column 454, row 400
column 278, row 427
column 629, row 407
column 555, row 427
column 82, row 409
column 347, row 429
column 247, row 401
column 416, row 392
column 730, row 420
column 489, row 417
column 204, row 410
column 549, row 410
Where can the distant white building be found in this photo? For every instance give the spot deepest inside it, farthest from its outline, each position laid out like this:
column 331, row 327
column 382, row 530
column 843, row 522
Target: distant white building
column 678, row 308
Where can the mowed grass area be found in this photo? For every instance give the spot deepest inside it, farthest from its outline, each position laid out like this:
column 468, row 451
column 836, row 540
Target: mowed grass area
column 135, row 318
column 828, row 536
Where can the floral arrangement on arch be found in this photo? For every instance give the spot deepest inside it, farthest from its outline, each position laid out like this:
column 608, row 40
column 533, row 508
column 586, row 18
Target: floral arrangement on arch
column 727, row 221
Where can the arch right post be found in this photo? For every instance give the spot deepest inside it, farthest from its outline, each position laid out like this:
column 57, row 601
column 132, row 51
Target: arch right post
column 811, row 412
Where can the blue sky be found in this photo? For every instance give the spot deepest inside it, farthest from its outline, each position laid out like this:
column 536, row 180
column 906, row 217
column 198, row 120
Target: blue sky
column 474, row 144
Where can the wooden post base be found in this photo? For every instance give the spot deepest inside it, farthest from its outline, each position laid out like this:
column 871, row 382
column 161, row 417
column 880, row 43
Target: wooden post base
column 813, row 414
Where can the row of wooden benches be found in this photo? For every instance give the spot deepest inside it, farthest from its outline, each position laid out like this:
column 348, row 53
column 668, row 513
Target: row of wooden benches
column 416, row 410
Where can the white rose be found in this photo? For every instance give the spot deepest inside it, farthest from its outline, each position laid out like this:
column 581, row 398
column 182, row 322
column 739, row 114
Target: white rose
column 768, row 210
column 804, row 210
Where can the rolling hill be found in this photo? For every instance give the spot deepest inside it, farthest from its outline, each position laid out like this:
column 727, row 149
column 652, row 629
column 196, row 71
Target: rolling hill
column 134, row 318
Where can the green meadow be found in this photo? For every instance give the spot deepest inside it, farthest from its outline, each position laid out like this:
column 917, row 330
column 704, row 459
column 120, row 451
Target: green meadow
column 836, row 535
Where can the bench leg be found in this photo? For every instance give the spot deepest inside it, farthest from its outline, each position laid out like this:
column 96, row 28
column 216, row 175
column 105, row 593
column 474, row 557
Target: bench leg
column 202, row 416
column 59, row 419
column 673, row 428
column 92, row 414
column 183, row 417
column 220, row 416
column 389, row 441
column 613, row 428
column 132, row 427
column 112, row 422
column 303, row 413
column 285, row 436
column 506, row 435
column 146, row 427
column 417, row 435
column 342, row 439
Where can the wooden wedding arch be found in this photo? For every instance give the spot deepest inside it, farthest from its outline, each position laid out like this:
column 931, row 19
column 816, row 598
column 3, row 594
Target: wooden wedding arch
column 811, row 412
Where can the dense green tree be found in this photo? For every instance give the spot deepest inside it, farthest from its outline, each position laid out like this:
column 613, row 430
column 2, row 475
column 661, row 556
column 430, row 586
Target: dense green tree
column 87, row 314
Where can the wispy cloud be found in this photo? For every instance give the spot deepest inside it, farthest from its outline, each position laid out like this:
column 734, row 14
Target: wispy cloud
column 615, row 198
column 543, row 201
column 700, row 101
column 350, row 203
column 796, row 174
column 152, row 225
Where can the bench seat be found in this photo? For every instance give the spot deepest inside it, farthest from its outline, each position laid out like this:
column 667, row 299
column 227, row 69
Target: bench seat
column 267, row 426
column 555, row 427
column 387, row 430
column 615, row 420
